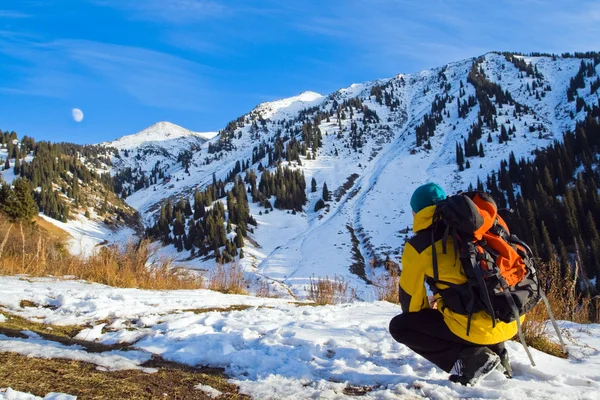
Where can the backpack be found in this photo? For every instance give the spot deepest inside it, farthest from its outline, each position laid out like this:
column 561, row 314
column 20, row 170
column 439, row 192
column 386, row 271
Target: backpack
column 500, row 268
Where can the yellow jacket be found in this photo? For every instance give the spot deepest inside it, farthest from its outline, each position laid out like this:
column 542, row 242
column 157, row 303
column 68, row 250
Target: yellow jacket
column 417, row 265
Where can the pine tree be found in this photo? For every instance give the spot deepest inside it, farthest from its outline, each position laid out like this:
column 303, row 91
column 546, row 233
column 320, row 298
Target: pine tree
column 17, row 169
column 313, row 185
column 326, row 196
column 239, row 238
column 460, row 158
column 18, row 202
column 548, row 248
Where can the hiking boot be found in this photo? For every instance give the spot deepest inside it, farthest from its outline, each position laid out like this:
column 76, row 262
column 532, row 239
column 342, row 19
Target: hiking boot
column 504, row 365
column 474, row 364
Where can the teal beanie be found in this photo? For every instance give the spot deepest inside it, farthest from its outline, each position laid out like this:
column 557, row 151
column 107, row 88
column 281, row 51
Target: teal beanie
column 426, row 195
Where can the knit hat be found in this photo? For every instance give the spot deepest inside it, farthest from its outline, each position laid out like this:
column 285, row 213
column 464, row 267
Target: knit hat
column 427, row 195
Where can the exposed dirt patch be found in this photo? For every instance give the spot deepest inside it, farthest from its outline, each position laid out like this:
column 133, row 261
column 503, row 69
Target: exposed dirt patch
column 15, row 325
column 240, row 307
column 19, row 324
column 172, row 381
column 342, row 190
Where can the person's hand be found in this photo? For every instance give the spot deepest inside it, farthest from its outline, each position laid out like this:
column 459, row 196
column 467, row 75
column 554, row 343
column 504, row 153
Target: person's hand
column 432, row 302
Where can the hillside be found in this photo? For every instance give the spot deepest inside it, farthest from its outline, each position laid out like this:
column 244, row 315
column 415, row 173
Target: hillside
column 371, row 144
column 72, row 189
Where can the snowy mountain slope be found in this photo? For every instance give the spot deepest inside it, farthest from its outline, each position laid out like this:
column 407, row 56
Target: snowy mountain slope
column 277, row 350
column 371, row 160
column 162, row 134
column 289, row 107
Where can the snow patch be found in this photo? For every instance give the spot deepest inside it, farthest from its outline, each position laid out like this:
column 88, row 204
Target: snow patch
column 40, row 348
column 10, row 394
column 212, row 392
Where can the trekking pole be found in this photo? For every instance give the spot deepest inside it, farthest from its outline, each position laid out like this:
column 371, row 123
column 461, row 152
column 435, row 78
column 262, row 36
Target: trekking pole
column 523, row 342
column 547, row 303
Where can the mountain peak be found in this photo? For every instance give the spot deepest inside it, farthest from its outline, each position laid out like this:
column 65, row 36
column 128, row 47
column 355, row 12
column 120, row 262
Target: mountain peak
column 159, row 132
column 289, row 106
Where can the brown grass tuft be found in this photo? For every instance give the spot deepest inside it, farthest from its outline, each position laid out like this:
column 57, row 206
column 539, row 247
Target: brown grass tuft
column 324, row 291
column 387, row 287
column 227, row 278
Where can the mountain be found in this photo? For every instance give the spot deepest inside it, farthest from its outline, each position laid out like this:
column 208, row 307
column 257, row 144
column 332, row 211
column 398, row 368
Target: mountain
column 160, row 135
column 371, row 144
column 379, row 141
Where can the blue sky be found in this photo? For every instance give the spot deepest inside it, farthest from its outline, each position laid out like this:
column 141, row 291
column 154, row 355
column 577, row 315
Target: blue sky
column 201, row 63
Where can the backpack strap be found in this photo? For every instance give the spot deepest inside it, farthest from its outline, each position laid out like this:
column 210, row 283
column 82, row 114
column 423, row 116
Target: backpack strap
column 473, row 261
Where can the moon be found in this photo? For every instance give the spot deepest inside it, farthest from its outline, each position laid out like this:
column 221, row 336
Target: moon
column 77, row 115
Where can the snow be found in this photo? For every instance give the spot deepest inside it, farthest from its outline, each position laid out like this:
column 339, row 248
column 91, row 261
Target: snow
column 286, row 107
column 86, row 235
column 2, row 318
column 90, row 334
column 276, row 349
column 40, row 348
column 212, row 392
column 10, row 394
column 159, row 133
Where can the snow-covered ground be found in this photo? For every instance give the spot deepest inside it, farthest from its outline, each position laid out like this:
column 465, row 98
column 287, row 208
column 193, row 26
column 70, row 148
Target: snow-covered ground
column 279, row 350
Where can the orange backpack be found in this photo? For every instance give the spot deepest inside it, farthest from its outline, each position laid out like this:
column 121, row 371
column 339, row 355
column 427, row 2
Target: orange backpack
column 500, row 268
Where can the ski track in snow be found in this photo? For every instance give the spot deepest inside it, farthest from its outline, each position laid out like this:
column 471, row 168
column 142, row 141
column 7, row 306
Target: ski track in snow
column 277, row 350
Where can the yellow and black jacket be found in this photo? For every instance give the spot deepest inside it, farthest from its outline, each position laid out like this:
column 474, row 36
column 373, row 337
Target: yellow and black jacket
column 417, row 266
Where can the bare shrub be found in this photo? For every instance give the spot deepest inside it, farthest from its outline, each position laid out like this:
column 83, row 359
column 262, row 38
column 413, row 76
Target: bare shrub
column 566, row 304
column 387, row 287
column 326, row 291
column 264, row 290
column 227, row 278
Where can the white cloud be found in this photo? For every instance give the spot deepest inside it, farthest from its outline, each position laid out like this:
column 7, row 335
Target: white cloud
column 63, row 67
column 77, row 115
column 176, row 11
column 154, row 78
column 13, row 14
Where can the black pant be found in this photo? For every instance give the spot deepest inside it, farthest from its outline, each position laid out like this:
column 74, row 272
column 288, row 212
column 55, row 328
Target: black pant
column 426, row 333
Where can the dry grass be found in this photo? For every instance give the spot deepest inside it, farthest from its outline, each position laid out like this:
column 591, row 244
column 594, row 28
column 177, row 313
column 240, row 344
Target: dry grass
column 172, row 381
column 264, row 290
column 227, row 278
column 30, row 250
column 16, row 325
column 387, row 285
column 324, row 291
column 565, row 302
column 85, row 380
